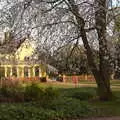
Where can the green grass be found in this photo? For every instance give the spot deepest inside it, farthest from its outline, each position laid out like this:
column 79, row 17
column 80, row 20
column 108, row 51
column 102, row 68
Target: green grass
column 111, row 108
column 72, row 103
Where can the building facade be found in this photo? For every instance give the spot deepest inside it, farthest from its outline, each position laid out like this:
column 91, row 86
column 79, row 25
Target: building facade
column 16, row 59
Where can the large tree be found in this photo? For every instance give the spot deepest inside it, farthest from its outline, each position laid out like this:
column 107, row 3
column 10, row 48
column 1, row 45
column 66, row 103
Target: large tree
column 97, row 11
column 117, row 48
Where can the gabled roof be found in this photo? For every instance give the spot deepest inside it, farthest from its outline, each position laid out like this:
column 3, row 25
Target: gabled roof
column 51, row 68
column 11, row 46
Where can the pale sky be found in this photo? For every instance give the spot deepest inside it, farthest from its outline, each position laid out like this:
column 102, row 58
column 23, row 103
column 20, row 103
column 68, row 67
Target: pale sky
column 1, row 5
column 116, row 2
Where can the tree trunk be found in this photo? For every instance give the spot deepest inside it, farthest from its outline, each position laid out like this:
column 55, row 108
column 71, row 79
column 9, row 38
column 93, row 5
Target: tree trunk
column 101, row 74
column 104, row 55
column 103, row 88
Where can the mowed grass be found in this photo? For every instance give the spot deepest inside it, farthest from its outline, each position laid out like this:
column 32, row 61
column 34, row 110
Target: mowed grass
column 111, row 108
column 72, row 103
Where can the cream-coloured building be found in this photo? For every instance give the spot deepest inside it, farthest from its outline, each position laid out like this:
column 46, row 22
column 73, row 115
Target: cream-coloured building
column 16, row 59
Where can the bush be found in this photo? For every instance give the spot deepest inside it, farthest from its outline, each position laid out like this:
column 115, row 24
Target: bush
column 44, row 103
column 25, row 112
column 32, row 92
column 11, row 94
column 8, row 86
column 71, row 108
column 64, row 108
column 42, row 95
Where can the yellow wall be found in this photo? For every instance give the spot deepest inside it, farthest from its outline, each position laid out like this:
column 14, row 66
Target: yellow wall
column 25, row 50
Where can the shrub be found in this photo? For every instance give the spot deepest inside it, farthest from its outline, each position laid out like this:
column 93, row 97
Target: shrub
column 43, row 95
column 71, row 108
column 50, row 93
column 32, row 92
column 25, row 112
column 44, row 103
column 60, row 109
column 4, row 91
column 11, row 94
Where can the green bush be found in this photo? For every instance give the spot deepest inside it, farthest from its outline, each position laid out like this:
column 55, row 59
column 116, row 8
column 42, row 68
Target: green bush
column 42, row 95
column 25, row 112
column 51, row 93
column 71, row 108
column 11, row 94
column 32, row 92
column 44, row 103
column 64, row 108
column 4, row 91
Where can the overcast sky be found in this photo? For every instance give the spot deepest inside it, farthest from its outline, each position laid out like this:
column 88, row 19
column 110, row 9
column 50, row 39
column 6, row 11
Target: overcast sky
column 116, row 2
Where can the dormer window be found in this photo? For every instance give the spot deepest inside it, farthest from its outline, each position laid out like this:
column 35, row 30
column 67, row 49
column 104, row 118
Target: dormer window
column 26, row 46
column 27, row 58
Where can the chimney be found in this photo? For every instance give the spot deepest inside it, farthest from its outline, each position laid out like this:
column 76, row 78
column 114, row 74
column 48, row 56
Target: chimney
column 1, row 38
column 7, row 36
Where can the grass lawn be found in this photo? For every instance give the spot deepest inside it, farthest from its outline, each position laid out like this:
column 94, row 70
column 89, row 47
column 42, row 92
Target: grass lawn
column 71, row 103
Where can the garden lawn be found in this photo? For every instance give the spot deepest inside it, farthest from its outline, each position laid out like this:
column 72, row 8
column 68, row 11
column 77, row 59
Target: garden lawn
column 72, row 103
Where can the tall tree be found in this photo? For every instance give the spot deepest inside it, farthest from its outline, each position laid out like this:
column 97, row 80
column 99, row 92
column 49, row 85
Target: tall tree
column 99, row 9
column 117, row 46
column 101, row 74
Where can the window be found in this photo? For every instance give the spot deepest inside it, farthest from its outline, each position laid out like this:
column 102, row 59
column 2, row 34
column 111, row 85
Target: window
column 37, row 71
column 2, row 72
column 27, row 58
column 14, row 71
column 8, row 71
column 26, row 74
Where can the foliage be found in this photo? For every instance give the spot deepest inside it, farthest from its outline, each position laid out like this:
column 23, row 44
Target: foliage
column 43, row 95
column 117, row 24
column 31, row 92
column 11, row 94
column 68, row 105
column 11, row 91
column 45, row 103
column 30, row 111
column 117, row 49
column 71, row 62
column 71, row 107
column 24, row 112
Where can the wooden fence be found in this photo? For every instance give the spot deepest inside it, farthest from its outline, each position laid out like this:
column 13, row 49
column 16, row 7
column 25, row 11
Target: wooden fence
column 79, row 78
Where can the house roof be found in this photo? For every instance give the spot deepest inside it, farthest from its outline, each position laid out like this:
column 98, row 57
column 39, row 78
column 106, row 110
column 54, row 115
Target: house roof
column 11, row 46
column 51, row 68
